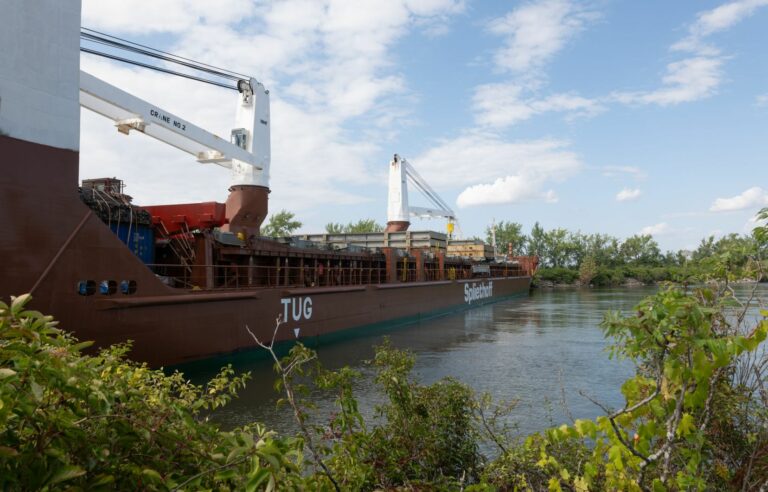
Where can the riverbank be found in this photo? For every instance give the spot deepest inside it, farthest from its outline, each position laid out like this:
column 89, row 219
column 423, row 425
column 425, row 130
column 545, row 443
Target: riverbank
column 629, row 276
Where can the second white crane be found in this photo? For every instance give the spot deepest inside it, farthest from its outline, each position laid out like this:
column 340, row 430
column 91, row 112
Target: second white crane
column 399, row 212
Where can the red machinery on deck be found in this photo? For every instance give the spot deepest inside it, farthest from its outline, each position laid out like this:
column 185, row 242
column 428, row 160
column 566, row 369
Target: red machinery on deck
column 185, row 217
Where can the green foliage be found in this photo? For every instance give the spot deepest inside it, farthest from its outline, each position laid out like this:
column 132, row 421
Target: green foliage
column 506, row 233
column 560, row 248
column 557, row 275
column 587, row 270
column 760, row 233
column 78, row 422
column 535, row 241
column 640, row 250
column 606, row 277
column 362, row 226
column 427, row 435
column 334, row 228
column 639, row 256
column 424, row 434
column 281, row 224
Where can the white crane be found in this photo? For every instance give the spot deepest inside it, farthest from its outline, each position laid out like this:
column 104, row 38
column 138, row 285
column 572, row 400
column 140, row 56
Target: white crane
column 247, row 154
column 398, row 210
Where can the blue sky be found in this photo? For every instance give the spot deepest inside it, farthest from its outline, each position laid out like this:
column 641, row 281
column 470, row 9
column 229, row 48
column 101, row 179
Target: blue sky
column 606, row 116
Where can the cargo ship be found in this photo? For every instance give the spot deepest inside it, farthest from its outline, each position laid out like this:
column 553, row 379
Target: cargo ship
column 183, row 281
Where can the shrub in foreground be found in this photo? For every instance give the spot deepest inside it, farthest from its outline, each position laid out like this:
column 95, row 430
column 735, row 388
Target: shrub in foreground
column 80, row 422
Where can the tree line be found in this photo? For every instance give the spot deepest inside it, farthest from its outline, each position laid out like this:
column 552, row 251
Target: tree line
column 601, row 259
column 561, row 248
column 284, row 223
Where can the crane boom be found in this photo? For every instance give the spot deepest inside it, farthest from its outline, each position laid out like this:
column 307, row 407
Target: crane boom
column 247, row 155
column 401, row 172
column 415, row 178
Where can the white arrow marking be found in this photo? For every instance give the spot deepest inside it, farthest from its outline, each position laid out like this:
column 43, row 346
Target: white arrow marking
column 296, row 332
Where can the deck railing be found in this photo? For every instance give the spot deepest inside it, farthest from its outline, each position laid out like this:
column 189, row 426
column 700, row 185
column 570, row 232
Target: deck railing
column 222, row 276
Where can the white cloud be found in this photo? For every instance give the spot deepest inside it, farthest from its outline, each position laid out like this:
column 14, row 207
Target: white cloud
column 535, row 31
column 494, row 171
column 754, row 197
column 762, row 100
column 657, row 229
column 500, row 105
column 627, row 195
column 503, row 104
column 326, row 63
column 700, row 75
column 510, row 189
column 712, row 21
column 621, row 171
column 686, row 80
column 168, row 16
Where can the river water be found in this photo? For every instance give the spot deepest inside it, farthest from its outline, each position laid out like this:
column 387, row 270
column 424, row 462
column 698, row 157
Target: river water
column 541, row 350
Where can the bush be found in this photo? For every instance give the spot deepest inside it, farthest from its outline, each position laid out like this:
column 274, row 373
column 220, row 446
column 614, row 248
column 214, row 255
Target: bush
column 557, row 275
column 427, row 431
column 587, row 270
column 425, row 435
column 608, row 277
column 79, row 422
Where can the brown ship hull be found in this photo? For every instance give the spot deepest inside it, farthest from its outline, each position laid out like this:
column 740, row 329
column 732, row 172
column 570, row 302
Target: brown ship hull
column 51, row 242
column 179, row 328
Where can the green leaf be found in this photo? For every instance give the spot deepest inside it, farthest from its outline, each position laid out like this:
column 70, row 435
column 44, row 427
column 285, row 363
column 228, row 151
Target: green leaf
column 66, row 473
column 102, row 480
column 658, row 486
column 37, row 390
column 585, row 428
column 686, row 425
column 18, row 303
column 614, row 454
column 554, row 485
column 82, row 345
column 590, row 470
column 272, row 460
column 580, row 484
column 152, row 475
column 226, row 475
column 256, row 480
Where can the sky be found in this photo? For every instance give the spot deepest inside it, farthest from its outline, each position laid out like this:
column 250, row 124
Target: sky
column 609, row 116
